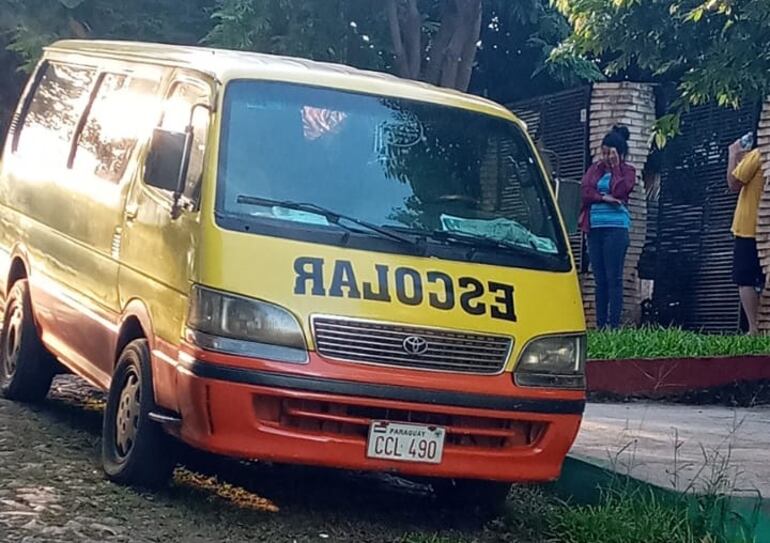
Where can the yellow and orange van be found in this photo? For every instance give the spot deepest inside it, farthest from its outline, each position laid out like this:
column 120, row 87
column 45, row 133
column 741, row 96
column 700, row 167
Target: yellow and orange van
column 283, row 260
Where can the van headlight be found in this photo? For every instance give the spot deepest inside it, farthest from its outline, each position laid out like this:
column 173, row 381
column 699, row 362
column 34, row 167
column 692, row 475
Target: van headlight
column 553, row 362
column 243, row 326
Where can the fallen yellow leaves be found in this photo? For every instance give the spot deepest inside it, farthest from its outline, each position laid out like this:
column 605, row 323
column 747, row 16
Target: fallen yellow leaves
column 238, row 496
column 93, row 404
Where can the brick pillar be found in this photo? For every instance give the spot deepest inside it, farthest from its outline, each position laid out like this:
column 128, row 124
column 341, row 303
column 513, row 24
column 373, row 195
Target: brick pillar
column 632, row 105
column 763, row 217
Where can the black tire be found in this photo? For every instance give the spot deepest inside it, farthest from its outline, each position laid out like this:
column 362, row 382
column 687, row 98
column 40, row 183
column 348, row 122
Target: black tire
column 485, row 498
column 135, row 450
column 26, row 367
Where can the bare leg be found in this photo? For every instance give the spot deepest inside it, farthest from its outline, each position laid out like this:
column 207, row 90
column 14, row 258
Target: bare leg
column 750, row 301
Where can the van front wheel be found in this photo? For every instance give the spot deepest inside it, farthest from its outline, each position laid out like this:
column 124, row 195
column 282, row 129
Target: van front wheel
column 135, row 449
column 26, row 368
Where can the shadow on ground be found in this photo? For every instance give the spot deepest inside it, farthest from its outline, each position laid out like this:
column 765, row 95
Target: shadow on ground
column 349, row 497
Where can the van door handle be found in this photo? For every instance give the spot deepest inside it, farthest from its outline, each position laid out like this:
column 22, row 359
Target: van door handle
column 132, row 211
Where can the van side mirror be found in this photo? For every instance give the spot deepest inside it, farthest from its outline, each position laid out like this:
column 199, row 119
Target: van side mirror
column 166, row 159
column 569, row 202
column 551, row 159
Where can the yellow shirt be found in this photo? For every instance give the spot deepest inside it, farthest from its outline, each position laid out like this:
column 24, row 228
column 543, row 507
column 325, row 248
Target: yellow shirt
column 748, row 172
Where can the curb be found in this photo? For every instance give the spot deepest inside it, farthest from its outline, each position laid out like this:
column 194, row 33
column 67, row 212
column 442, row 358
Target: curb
column 666, row 377
column 583, row 481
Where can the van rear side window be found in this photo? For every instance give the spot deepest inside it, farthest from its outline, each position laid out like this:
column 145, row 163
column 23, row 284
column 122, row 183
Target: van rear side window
column 50, row 123
column 124, row 109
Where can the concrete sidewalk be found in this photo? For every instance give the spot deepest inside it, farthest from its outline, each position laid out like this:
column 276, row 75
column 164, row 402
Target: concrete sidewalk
column 681, row 447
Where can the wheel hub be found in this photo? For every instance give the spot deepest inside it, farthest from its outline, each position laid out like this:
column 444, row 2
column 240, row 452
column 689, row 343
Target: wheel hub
column 12, row 343
column 127, row 419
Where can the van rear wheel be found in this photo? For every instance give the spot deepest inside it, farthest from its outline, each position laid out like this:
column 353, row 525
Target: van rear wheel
column 135, row 450
column 26, row 368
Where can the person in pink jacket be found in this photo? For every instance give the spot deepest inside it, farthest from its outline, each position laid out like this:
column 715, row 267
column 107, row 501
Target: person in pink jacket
column 605, row 219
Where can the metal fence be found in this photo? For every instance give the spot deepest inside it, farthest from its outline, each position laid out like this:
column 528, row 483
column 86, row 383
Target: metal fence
column 688, row 252
column 559, row 125
column 693, row 286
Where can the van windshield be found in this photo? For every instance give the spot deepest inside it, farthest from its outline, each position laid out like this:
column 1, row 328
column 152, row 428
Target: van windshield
column 447, row 175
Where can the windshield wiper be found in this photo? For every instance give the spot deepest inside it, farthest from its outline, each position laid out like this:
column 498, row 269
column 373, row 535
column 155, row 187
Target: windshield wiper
column 477, row 240
column 331, row 216
column 473, row 241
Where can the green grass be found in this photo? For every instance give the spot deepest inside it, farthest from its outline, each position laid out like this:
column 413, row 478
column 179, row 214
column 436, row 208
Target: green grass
column 670, row 343
column 626, row 517
column 626, row 513
column 642, row 516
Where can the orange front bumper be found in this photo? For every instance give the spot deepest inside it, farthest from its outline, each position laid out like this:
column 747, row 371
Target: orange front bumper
column 318, row 414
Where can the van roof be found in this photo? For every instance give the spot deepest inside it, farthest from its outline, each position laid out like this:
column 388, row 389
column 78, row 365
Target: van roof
column 225, row 65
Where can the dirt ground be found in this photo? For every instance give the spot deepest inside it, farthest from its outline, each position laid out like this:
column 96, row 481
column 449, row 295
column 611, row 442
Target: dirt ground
column 52, row 490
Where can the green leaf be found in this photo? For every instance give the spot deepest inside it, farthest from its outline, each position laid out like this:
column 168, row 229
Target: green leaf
column 696, row 15
column 713, row 51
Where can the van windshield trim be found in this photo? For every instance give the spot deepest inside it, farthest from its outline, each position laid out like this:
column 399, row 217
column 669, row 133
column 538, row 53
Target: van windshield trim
column 425, row 244
column 333, row 236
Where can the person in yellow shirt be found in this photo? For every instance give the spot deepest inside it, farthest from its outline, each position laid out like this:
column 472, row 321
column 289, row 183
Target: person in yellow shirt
column 744, row 176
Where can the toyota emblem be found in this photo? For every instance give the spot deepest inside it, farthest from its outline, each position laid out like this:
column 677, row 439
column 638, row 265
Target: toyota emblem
column 415, row 345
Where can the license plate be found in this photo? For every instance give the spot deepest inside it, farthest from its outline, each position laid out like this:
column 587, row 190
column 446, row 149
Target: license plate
column 406, row 442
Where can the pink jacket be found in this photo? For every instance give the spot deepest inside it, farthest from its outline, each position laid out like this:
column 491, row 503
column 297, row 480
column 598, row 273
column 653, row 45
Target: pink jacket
column 621, row 185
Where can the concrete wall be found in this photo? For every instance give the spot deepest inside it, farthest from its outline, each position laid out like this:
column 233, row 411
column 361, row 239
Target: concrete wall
column 763, row 219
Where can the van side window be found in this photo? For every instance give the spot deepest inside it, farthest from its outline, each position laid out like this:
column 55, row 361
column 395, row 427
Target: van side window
column 124, row 109
column 53, row 115
column 176, row 116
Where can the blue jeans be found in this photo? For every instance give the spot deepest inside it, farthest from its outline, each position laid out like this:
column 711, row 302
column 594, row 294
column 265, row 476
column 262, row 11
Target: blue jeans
column 607, row 252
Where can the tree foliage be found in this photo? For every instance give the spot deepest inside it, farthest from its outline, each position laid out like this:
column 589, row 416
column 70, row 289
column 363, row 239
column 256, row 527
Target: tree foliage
column 33, row 24
column 502, row 43
column 433, row 40
column 714, row 50
column 329, row 30
column 444, row 55
column 513, row 60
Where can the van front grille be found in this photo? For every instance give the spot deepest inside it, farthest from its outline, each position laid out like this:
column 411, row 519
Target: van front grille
column 410, row 347
column 327, row 417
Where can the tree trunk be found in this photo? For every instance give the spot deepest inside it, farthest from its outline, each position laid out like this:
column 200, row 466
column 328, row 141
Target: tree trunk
column 459, row 57
column 468, row 57
column 405, row 22
column 78, row 29
column 453, row 49
column 440, row 43
column 413, row 37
